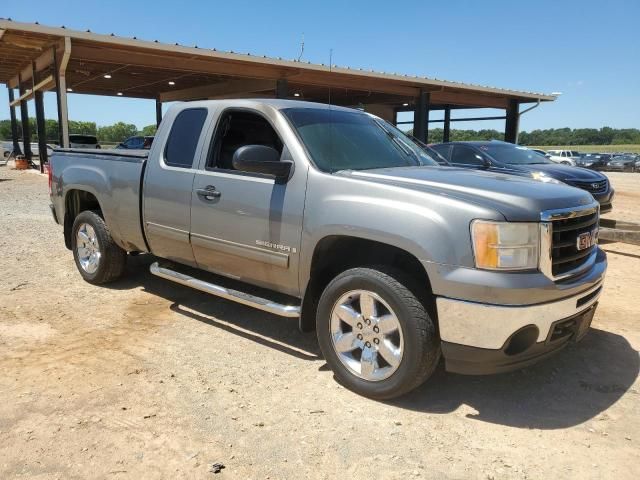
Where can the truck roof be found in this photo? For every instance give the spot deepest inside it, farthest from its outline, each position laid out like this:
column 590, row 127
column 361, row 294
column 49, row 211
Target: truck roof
column 276, row 103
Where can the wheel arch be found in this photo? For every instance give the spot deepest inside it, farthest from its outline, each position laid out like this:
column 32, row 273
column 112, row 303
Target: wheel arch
column 77, row 200
column 334, row 254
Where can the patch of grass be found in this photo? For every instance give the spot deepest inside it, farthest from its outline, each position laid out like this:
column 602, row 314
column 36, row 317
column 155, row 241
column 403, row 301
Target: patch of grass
column 593, row 148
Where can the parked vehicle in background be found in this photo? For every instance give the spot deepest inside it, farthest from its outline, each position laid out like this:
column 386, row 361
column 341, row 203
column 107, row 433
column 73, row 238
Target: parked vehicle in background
column 7, row 148
column 137, row 142
column 512, row 159
column 83, row 141
column 566, row 157
column 622, row 163
column 393, row 259
column 593, row 161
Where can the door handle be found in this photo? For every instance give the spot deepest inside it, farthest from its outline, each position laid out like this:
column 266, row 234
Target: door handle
column 208, row 193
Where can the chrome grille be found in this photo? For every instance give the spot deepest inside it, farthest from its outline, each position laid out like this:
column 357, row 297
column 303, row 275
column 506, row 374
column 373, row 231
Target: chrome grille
column 560, row 232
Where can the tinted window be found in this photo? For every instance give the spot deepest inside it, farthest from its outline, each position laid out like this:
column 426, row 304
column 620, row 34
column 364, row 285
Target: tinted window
column 443, row 150
column 236, row 129
column 83, row 139
column 345, row 140
column 513, row 154
column 183, row 139
column 464, row 155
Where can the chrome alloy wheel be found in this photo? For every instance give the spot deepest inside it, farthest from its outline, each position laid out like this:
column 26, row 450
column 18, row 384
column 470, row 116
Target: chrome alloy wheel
column 366, row 335
column 88, row 248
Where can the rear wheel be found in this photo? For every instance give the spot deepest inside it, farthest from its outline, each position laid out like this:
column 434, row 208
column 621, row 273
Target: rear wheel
column 98, row 259
column 376, row 336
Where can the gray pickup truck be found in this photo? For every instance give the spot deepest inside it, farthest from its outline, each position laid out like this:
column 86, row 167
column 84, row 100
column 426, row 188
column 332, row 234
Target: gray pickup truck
column 392, row 259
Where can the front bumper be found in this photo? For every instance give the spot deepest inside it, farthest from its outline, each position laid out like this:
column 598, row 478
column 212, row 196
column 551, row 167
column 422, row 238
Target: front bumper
column 479, row 338
column 482, row 361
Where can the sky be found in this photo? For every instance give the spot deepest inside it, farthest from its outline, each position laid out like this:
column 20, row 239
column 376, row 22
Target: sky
column 588, row 50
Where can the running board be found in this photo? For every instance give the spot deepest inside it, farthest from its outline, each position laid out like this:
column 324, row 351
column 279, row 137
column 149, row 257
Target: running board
column 227, row 293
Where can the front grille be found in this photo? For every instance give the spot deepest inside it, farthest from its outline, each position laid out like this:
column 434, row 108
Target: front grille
column 565, row 255
column 591, row 187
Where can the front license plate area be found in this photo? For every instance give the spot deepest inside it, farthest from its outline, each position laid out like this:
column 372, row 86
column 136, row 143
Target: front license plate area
column 585, row 323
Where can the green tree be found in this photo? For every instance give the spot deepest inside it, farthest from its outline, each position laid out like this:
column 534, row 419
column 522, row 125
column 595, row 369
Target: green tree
column 117, row 132
column 149, row 130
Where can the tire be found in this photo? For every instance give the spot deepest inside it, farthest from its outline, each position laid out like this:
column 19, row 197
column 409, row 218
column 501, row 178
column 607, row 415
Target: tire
column 416, row 336
column 106, row 267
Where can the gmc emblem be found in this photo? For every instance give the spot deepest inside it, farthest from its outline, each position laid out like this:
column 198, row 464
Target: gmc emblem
column 587, row 239
column 595, row 186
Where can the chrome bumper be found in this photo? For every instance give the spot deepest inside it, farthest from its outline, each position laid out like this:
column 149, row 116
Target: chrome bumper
column 490, row 326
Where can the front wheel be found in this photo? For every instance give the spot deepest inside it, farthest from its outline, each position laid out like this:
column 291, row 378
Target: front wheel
column 98, row 259
column 375, row 335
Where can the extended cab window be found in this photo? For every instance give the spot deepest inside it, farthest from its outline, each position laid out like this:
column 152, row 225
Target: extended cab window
column 463, row 155
column 183, row 138
column 237, row 128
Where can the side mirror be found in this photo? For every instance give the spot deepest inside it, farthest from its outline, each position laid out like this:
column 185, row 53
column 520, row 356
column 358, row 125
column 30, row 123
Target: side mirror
column 485, row 161
column 262, row 159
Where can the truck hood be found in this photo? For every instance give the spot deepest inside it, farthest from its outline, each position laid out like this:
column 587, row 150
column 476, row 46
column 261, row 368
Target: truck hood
column 516, row 198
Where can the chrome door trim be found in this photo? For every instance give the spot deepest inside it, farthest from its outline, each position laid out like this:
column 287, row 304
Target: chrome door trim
column 168, row 232
column 277, row 259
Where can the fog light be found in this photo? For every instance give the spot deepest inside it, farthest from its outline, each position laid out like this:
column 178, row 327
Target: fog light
column 522, row 340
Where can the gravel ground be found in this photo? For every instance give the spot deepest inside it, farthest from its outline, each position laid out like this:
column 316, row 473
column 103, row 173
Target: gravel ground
column 147, row 379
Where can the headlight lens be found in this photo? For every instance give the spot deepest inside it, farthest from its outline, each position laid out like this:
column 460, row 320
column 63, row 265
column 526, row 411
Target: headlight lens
column 543, row 177
column 505, row 245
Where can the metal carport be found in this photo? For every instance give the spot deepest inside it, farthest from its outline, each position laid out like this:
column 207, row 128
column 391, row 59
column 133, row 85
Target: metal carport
column 37, row 58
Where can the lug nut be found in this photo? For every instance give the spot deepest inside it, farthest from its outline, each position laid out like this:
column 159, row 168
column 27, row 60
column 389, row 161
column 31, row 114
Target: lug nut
column 376, row 341
column 359, row 336
column 359, row 325
column 367, row 321
column 368, row 345
column 376, row 329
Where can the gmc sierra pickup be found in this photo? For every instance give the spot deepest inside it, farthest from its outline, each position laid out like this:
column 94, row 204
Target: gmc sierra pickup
column 394, row 260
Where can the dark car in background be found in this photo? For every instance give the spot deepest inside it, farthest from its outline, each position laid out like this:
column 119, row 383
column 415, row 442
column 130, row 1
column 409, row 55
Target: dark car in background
column 593, row 161
column 137, row 142
column 622, row 163
column 513, row 159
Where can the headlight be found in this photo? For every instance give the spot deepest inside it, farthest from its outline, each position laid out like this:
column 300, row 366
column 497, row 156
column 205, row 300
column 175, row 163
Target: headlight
column 543, row 177
column 504, row 245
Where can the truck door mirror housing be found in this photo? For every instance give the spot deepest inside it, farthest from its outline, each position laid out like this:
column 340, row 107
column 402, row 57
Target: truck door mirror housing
column 262, row 159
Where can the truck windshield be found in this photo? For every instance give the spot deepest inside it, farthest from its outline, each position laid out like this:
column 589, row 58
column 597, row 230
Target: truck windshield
column 339, row 140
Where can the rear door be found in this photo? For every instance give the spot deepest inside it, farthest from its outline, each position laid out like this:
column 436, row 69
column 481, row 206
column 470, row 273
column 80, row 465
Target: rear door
column 250, row 226
column 169, row 181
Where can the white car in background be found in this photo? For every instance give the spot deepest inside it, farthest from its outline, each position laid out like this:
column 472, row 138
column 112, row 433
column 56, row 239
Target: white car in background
column 566, row 157
column 6, row 149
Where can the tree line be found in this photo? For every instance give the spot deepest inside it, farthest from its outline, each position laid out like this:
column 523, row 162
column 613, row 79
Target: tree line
column 120, row 131
column 549, row 136
column 115, row 133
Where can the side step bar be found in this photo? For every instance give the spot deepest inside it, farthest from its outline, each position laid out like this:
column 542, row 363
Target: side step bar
column 227, row 293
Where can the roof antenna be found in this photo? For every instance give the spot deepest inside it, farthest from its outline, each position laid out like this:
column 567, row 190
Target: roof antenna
column 301, row 47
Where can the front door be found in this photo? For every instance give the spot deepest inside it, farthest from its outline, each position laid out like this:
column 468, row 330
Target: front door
column 247, row 225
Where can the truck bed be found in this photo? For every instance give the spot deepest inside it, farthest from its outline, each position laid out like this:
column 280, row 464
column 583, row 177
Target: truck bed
column 114, row 177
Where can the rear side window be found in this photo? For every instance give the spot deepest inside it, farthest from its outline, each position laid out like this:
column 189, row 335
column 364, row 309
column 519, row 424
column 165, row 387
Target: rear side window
column 463, row 155
column 442, row 150
column 183, row 138
column 83, row 139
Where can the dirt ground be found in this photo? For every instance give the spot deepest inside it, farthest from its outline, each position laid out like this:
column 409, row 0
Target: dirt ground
column 147, row 379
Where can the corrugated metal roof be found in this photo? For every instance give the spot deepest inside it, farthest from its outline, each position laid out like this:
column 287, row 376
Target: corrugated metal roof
column 403, row 79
